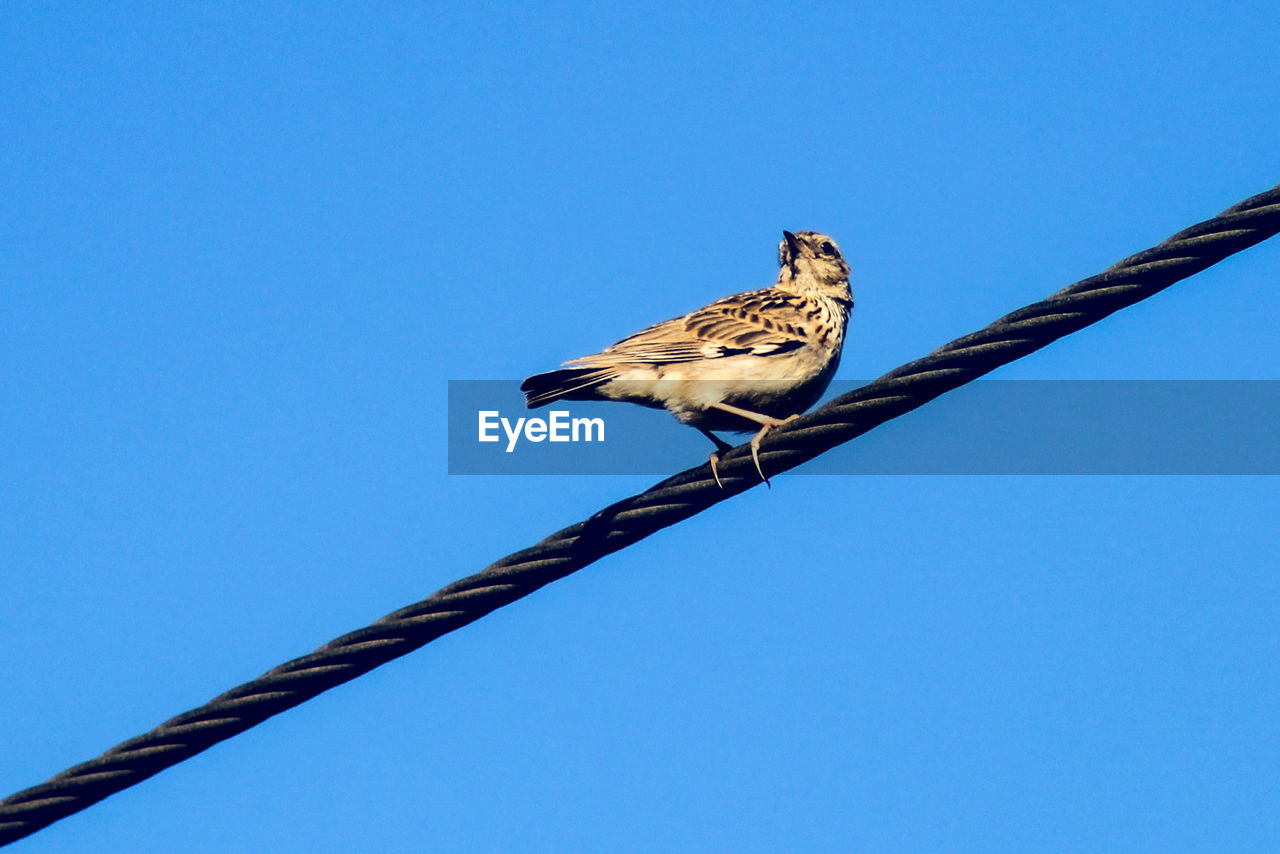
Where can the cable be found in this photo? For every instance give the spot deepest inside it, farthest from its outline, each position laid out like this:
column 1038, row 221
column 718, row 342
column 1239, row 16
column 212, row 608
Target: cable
column 619, row 525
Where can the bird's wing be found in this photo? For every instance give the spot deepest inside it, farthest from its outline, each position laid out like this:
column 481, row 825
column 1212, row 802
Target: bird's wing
column 759, row 323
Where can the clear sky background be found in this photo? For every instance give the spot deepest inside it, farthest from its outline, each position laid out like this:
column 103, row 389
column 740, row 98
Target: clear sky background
column 242, row 250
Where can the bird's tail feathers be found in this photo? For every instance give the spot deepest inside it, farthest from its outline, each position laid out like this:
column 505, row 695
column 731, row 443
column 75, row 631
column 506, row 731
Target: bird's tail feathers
column 564, row 384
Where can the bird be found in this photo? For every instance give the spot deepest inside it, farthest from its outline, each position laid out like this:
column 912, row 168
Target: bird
column 752, row 360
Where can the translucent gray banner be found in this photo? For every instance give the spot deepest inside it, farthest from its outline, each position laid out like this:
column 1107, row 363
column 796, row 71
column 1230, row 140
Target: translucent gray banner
column 986, row 427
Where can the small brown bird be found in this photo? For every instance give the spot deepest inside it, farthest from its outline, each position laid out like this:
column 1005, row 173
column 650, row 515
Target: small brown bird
column 756, row 358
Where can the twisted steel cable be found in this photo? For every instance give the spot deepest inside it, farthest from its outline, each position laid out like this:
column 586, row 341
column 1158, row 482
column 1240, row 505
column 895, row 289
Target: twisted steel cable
column 619, row 525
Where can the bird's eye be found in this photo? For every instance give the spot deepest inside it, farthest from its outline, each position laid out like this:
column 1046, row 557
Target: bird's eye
column 827, row 248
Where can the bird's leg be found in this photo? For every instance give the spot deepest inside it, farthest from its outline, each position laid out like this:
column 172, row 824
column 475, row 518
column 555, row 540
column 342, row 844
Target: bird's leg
column 755, row 444
column 721, row 447
column 767, row 422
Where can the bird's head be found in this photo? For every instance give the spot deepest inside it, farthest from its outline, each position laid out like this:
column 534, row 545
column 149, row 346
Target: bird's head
column 811, row 260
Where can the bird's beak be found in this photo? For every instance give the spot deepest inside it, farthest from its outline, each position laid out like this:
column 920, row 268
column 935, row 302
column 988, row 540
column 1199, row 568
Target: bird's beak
column 792, row 242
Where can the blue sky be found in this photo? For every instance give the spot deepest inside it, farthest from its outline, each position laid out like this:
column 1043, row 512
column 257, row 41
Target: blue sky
column 245, row 250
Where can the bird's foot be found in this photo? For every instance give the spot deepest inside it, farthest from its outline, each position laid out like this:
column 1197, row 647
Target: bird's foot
column 715, row 467
column 755, row 443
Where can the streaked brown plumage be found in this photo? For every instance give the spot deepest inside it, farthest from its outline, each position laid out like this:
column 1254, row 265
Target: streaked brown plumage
column 753, row 359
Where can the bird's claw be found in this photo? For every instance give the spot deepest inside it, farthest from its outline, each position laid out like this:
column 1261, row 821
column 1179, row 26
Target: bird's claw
column 715, row 468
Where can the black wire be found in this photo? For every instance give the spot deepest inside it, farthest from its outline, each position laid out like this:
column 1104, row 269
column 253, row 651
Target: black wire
column 621, row 524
